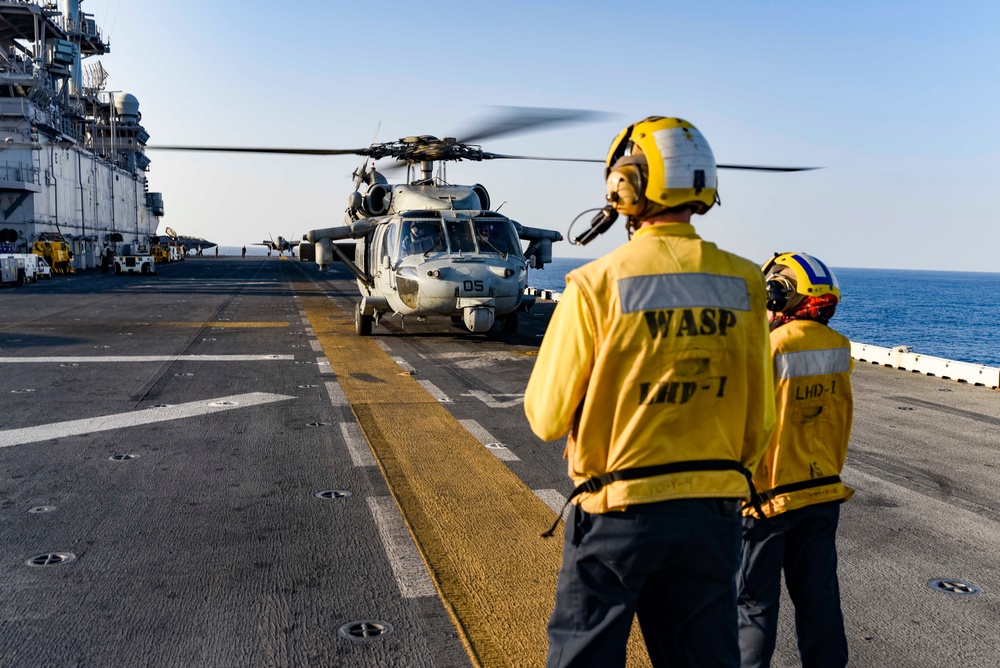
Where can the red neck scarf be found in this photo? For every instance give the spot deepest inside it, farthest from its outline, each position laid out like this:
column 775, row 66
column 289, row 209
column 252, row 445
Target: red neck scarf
column 819, row 309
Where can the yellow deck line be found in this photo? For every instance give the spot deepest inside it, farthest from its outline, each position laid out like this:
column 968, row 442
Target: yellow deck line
column 250, row 324
column 238, row 325
column 475, row 523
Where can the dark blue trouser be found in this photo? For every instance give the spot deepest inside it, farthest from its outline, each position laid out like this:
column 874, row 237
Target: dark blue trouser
column 673, row 563
column 803, row 543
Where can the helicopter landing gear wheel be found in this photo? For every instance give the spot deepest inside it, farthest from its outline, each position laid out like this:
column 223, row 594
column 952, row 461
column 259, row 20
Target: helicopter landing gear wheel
column 509, row 324
column 362, row 323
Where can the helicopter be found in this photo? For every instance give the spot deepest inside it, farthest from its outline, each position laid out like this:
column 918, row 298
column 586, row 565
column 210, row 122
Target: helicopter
column 427, row 247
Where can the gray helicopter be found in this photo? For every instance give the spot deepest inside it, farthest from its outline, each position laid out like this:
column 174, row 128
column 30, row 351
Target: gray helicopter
column 428, row 247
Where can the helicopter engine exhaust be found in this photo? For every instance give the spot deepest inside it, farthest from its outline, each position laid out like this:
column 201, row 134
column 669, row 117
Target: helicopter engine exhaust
column 324, row 253
column 374, row 200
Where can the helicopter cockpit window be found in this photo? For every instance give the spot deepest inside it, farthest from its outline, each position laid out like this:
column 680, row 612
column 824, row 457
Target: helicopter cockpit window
column 460, row 234
column 420, row 237
column 496, row 236
column 392, row 242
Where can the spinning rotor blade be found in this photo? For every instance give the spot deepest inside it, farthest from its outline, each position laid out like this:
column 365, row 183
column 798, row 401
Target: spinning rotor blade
column 288, row 151
column 759, row 168
column 525, row 119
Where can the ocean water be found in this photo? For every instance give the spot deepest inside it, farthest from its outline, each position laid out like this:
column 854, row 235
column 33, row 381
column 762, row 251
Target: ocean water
column 949, row 314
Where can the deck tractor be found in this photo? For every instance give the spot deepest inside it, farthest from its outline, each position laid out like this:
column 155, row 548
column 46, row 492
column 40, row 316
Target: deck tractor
column 134, row 259
column 55, row 249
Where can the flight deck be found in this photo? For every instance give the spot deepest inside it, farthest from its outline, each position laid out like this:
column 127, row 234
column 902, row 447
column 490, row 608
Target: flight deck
column 208, row 467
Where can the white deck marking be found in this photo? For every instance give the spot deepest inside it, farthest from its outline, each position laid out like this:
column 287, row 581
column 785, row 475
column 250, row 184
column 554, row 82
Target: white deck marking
column 407, row 566
column 433, row 390
column 309, row 331
column 486, row 438
column 491, row 399
column 357, row 446
column 145, row 358
column 133, row 418
column 552, row 498
column 403, row 364
column 345, row 305
column 336, row 392
column 324, row 365
column 383, row 345
column 315, row 345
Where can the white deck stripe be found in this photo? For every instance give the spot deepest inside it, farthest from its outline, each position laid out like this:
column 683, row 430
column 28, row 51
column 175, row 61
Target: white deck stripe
column 324, row 365
column 145, row 358
column 404, row 560
column 336, row 392
column 357, row 446
column 486, row 438
column 345, row 305
column 315, row 345
column 144, row 416
column 383, row 345
column 433, row 390
column 551, row 497
column 403, row 364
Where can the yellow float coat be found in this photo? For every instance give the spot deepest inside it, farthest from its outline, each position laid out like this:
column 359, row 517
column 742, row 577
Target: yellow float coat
column 658, row 352
column 815, row 408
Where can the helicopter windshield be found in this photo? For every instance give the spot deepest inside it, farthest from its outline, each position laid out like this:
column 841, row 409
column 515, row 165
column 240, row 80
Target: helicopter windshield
column 420, row 237
column 460, row 235
column 495, row 236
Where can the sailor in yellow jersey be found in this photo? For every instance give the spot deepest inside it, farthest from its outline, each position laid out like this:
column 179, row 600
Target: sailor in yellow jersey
column 799, row 476
column 656, row 362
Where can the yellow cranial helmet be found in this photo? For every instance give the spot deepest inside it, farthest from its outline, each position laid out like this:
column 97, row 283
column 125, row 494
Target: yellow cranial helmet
column 792, row 277
column 660, row 163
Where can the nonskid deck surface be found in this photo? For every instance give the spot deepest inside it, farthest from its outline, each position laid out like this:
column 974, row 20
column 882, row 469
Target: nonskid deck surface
column 243, row 395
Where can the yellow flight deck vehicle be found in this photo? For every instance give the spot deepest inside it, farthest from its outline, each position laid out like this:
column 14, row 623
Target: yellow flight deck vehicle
column 161, row 254
column 55, row 249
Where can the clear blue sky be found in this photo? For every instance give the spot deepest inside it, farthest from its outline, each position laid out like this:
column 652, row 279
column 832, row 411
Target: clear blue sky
column 897, row 101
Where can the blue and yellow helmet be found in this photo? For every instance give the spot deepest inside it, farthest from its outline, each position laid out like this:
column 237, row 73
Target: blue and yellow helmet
column 792, row 277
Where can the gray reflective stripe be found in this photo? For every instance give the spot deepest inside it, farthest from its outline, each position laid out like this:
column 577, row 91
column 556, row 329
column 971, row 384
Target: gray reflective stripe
column 666, row 291
column 812, row 362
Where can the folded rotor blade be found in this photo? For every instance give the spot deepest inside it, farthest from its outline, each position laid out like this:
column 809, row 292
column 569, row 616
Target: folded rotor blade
column 289, row 151
column 524, row 119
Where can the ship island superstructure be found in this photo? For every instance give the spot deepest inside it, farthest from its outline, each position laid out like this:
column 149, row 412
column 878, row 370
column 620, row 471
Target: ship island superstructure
column 72, row 154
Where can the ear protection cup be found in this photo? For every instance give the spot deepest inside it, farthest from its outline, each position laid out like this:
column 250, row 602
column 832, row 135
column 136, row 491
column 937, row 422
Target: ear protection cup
column 625, row 189
column 777, row 295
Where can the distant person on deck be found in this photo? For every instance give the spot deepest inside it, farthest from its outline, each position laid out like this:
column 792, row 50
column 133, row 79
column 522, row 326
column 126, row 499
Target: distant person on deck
column 216, row 251
column 799, row 476
column 656, row 363
column 244, row 251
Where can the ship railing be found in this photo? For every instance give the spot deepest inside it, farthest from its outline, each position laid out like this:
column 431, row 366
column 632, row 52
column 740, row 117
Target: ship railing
column 903, row 358
column 85, row 27
column 19, row 172
column 15, row 64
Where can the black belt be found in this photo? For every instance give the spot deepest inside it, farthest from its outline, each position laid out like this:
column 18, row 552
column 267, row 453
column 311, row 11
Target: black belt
column 798, row 486
column 597, row 482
